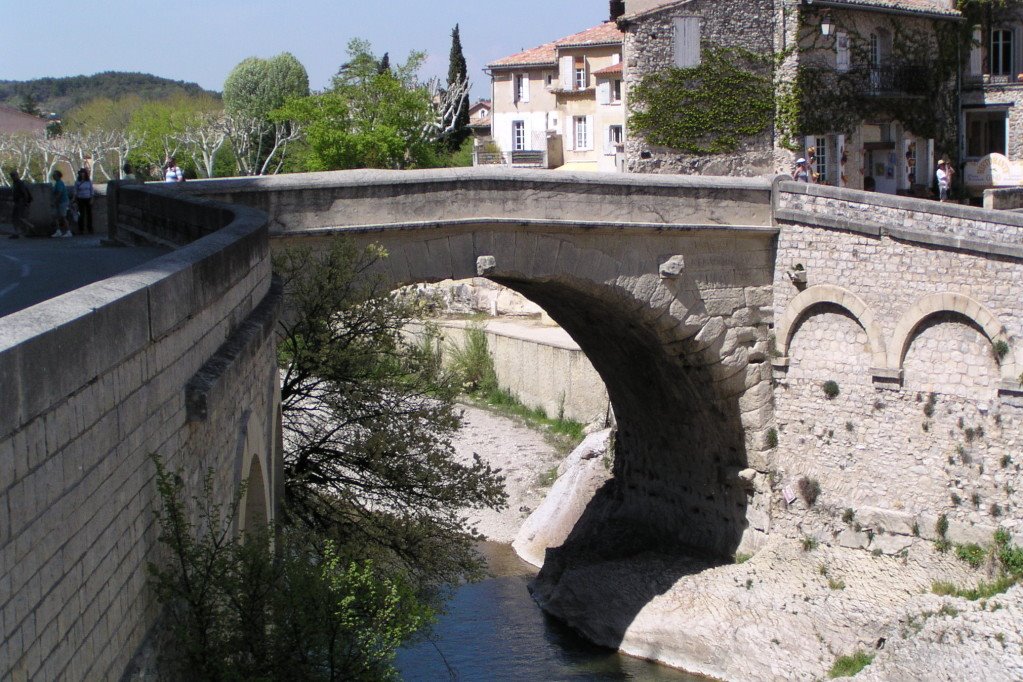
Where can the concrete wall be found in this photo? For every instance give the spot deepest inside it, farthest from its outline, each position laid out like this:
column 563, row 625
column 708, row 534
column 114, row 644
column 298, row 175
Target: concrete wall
column 174, row 357
column 904, row 304
column 541, row 366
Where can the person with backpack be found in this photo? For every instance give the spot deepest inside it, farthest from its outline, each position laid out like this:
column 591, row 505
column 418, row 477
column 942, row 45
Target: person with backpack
column 22, row 200
column 83, row 197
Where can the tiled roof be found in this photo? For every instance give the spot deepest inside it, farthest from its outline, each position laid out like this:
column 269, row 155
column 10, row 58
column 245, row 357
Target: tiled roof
column 613, row 70
column 547, row 54
column 15, row 121
column 923, row 6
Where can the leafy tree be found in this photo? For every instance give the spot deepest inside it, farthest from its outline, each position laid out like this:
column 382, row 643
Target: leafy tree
column 252, row 92
column 243, row 608
column 369, row 118
column 161, row 126
column 385, row 63
column 28, row 105
column 367, row 424
column 458, row 73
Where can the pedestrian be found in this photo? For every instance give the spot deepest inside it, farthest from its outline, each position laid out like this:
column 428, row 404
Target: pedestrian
column 802, row 171
column 60, row 201
column 83, row 197
column 944, row 177
column 22, row 200
column 171, row 172
column 127, row 172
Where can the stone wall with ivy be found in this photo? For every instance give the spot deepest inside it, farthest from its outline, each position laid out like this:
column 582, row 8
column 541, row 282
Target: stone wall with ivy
column 737, row 41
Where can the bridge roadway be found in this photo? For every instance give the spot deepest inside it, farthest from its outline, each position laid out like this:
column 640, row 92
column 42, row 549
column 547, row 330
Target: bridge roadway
column 36, row 270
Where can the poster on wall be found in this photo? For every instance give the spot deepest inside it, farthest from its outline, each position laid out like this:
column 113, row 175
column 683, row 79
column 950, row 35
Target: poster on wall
column 993, row 170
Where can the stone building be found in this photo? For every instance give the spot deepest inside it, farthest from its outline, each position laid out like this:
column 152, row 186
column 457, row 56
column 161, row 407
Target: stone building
column 560, row 103
column 862, row 88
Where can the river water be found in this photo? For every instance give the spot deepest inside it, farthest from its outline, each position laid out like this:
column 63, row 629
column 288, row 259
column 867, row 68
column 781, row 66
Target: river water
column 494, row 631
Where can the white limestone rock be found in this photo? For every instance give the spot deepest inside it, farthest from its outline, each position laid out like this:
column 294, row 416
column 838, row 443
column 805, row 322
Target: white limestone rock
column 580, row 475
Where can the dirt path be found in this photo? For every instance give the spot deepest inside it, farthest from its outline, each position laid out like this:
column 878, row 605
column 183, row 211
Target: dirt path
column 522, row 454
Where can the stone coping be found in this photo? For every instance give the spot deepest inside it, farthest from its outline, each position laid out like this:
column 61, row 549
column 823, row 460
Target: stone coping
column 902, row 203
column 51, row 350
column 525, row 222
column 372, row 177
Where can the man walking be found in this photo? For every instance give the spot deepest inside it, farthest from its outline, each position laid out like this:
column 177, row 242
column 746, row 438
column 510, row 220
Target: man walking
column 22, row 200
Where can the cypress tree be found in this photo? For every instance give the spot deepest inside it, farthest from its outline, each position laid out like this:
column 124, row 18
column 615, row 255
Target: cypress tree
column 457, row 70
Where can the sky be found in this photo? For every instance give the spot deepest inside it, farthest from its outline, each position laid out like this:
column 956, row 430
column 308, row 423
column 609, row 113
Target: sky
column 202, row 40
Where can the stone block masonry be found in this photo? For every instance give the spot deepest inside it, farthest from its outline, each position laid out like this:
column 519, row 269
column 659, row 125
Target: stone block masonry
column 93, row 382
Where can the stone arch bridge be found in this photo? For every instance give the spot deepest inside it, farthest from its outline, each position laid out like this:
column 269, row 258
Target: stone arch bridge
column 713, row 308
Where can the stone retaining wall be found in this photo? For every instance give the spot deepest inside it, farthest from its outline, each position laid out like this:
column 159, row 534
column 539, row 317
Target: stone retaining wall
column 904, row 307
column 92, row 383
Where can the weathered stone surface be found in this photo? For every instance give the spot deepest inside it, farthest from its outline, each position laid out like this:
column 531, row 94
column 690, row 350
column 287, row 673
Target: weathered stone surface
column 580, row 475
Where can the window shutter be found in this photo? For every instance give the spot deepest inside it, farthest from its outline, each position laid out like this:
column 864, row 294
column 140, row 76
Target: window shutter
column 566, row 72
column 525, row 88
column 976, row 56
column 590, row 133
column 842, row 51
column 569, row 137
column 616, row 58
column 608, row 145
column 687, row 42
column 604, row 92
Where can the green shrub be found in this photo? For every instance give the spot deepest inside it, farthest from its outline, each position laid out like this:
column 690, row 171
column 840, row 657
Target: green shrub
column 848, row 516
column 983, row 590
column 971, row 553
column 809, row 543
column 809, row 490
column 772, row 438
column 847, row 666
column 830, row 389
column 1001, row 349
column 742, row 557
column 836, row 584
column 472, row 362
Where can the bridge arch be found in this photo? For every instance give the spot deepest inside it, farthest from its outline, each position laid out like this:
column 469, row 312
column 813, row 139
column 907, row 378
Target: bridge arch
column 949, row 302
column 822, row 294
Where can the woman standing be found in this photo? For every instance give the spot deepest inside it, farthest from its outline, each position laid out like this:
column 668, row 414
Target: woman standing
column 83, row 197
column 59, row 198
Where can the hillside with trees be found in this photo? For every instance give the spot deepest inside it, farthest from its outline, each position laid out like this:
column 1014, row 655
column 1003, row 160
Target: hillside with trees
column 60, row 95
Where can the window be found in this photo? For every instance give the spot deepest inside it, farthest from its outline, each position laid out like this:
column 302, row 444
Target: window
column 614, row 139
column 518, row 136
column 521, row 87
column 820, row 161
column 985, row 133
column 1001, row 52
column 616, row 91
column 687, row 42
column 548, row 79
column 582, row 132
column 580, row 75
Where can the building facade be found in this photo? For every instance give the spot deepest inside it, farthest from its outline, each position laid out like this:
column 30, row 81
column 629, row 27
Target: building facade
column 561, row 104
column 864, row 89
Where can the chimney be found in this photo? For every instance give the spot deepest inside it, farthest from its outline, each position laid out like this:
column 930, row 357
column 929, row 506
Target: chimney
column 617, row 9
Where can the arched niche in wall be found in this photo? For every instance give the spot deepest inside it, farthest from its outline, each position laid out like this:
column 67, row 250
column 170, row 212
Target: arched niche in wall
column 953, row 339
column 252, row 460
column 829, row 296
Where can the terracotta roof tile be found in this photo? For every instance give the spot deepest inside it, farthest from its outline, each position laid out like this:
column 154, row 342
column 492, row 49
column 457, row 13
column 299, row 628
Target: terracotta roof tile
column 925, row 6
column 547, row 54
column 613, row 70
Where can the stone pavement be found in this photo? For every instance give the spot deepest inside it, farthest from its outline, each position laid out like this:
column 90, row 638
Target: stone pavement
column 34, row 270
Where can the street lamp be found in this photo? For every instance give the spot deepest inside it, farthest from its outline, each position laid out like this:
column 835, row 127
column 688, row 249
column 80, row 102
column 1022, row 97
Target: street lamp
column 826, row 26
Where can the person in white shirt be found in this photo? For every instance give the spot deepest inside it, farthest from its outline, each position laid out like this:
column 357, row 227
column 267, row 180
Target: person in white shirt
column 83, row 198
column 171, row 171
column 944, row 177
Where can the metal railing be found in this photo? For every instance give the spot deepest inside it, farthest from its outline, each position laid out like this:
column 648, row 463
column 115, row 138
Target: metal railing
column 524, row 157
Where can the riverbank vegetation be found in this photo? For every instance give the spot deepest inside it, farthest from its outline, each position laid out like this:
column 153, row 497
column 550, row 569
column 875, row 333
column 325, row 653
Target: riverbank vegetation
column 372, row 528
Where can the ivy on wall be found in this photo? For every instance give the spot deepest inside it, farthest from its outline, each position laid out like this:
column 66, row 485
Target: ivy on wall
column 710, row 108
column 732, row 98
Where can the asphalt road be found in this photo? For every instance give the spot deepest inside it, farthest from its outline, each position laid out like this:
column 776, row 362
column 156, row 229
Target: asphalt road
column 34, row 270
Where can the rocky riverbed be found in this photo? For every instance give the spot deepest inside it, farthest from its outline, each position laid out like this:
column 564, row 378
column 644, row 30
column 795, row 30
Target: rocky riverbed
column 786, row 613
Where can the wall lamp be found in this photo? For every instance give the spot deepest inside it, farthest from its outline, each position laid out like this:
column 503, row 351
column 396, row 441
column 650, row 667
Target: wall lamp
column 826, row 25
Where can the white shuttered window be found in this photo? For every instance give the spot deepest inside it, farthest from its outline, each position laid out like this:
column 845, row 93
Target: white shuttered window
column 687, row 42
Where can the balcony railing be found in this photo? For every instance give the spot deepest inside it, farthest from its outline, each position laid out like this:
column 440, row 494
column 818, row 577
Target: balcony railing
column 525, row 157
column 898, row 79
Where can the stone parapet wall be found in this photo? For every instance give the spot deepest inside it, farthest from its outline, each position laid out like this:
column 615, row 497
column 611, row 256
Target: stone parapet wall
column 921, row 220
column 422, row 199
column 93, row 382
column 904, row 305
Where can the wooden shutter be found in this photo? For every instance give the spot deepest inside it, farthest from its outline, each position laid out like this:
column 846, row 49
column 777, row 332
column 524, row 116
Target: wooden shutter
column 604, row 92
column 976, row 56
column 569, row 136
column 590, row 133
column 525, row 88
column 687, row 42
column 842, row 51
column 566, row 73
